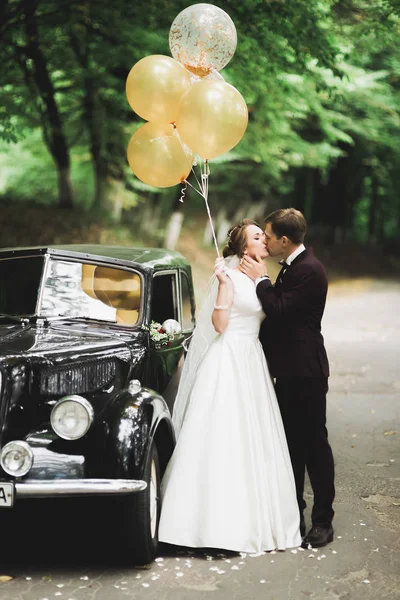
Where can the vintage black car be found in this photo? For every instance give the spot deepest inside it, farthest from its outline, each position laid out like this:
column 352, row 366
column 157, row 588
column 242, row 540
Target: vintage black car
column 86, row 391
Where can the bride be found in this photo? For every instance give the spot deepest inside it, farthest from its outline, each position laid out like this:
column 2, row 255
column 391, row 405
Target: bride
column 229, row 483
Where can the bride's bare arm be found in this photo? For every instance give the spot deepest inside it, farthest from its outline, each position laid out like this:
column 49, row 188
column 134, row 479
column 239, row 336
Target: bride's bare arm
column 223, row 303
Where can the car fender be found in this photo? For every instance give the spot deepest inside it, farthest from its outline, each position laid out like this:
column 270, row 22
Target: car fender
column 133, row 422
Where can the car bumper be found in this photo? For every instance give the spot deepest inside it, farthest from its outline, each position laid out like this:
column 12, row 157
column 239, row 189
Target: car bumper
column 51, row 488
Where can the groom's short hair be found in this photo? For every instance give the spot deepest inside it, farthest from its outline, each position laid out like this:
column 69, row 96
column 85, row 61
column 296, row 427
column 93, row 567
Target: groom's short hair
column 289, row 222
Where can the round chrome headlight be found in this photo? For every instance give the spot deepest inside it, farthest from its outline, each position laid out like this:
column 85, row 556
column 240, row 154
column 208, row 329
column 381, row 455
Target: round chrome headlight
column 16, row 458
column 71, row 417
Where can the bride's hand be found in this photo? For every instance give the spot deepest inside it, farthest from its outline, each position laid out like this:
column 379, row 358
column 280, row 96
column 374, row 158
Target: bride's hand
column 219, row 270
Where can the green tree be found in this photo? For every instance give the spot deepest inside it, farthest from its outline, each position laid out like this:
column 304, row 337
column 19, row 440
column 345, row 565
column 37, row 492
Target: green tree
column 23, row 46
column 320, row 77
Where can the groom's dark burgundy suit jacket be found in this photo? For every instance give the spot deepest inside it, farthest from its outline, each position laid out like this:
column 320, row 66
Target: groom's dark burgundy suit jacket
column 291, row 333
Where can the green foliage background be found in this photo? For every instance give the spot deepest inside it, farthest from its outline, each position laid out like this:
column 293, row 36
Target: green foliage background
column 321, row 79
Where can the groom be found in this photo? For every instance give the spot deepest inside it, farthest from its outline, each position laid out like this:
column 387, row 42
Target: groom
column 294, row 348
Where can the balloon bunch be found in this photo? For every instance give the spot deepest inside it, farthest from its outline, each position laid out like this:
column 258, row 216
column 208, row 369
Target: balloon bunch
column 189, row 107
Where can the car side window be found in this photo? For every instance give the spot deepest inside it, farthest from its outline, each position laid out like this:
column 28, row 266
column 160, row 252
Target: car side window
column 187, row 308
column 119, row 289
column 164, row 303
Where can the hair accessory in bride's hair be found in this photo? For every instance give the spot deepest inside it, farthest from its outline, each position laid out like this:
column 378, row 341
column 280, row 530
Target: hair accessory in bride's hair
column 230, row 232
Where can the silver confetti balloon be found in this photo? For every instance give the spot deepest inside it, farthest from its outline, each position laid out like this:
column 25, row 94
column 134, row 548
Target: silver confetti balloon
column 203, row 38
column 212, row 76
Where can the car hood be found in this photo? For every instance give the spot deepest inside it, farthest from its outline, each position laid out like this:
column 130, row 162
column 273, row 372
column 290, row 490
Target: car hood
column 34, row 340
column 41, row 363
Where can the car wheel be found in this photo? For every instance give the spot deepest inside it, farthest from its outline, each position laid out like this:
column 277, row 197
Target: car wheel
column 141, row 515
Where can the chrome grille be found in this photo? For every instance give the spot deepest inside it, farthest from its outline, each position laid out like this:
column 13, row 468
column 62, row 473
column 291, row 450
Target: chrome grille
column 76, row 379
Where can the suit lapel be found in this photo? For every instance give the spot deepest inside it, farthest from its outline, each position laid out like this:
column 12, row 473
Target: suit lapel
column 307, row 253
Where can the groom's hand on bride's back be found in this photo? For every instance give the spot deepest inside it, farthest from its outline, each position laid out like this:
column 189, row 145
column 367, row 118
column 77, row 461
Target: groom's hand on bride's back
column 253, row 268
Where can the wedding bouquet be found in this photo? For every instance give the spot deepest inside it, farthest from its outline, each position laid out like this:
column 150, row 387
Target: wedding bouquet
column 159, row 336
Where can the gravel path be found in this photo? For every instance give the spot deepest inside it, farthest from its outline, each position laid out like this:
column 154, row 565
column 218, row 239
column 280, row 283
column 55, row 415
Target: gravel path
column 46, row 559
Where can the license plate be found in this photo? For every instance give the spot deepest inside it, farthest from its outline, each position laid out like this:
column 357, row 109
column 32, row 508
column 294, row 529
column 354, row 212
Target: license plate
column 6, row 494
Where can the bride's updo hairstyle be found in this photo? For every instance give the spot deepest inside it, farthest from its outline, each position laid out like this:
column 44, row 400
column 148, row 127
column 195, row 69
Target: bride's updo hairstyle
column 236, row 240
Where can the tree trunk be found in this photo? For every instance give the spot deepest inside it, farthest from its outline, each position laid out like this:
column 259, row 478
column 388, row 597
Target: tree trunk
column 173, row 230
column 54, row 136
column 79, row 36
column 309, row 195
column 207, row 235
column 64, row 187
column 334, row 200
column 100, row 199
column 174, row 226
column 221, row 225
column 372, row 216
column 116, row 199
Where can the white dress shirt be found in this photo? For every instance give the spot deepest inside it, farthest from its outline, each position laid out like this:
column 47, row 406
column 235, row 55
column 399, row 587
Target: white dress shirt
column 295, row 254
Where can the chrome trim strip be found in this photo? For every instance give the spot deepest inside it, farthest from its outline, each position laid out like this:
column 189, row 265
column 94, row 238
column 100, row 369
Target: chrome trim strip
column 32, row 488
column 182, row 275
column 175, row 292
column 43, row 278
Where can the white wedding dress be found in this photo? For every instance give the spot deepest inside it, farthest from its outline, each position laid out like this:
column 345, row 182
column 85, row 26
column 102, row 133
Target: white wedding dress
column 229, row 483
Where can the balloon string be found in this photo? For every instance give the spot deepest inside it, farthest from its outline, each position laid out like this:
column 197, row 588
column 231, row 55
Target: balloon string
column 183, row 191
column 195, row 176
column 193, row 188
column 203, row 192
column 204, row 179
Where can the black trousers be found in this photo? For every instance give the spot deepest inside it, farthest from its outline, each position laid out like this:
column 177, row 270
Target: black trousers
column 302, row 401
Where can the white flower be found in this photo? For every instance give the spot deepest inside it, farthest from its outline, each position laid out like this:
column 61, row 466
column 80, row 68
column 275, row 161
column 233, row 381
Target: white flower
column 158, row 335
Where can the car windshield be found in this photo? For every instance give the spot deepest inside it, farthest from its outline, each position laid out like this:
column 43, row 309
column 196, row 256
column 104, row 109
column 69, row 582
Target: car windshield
column 70, row 289
column 19, row 284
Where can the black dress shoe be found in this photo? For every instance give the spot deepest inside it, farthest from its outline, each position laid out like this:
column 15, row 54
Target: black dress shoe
column 318, row 536
column 302, row 526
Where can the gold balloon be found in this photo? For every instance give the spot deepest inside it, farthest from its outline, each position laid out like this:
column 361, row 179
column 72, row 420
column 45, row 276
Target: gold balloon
column 157, row 155
column 154, row 87
column 212, row 118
